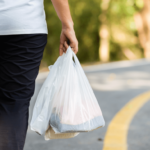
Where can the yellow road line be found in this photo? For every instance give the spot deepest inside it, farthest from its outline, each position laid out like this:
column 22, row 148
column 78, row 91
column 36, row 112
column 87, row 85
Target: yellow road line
column 116, row 135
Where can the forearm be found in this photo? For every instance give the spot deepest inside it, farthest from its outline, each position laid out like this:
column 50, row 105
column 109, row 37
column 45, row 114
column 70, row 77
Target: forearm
column 63, row 12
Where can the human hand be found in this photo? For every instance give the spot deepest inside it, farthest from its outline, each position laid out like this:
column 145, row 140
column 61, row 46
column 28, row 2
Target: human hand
column 68, row 34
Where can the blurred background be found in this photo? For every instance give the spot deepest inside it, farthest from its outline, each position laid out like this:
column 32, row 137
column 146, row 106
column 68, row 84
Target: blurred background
column 107, row 30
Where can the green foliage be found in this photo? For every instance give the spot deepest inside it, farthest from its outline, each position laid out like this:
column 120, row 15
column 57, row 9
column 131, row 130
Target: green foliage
column 138, row 4
column 122, row 27
column 85, row 15
column 115, row 55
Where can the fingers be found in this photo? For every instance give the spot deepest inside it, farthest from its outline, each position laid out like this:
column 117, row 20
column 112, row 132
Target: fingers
column 62, row 40
column 74, row 46
column 63, row 48
column 66, row 45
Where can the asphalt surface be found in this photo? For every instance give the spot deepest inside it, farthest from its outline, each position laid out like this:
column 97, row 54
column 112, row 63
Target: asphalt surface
column 114, row 86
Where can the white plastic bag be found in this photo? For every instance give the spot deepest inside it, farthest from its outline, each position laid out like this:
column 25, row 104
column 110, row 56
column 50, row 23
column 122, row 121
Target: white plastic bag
column 66, row 101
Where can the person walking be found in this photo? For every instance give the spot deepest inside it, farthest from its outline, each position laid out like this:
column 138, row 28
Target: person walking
column 23, row 37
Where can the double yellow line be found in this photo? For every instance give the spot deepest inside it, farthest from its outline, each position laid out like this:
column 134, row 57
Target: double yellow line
column 116, row 135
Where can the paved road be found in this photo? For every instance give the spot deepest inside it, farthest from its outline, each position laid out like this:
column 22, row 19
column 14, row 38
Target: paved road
column 114, row 86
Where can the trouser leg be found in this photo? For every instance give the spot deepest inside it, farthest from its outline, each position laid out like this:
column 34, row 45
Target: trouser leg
column 20, row 57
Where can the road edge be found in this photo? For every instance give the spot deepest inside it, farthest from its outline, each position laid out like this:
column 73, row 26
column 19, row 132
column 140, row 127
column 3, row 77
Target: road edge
column 107, row 66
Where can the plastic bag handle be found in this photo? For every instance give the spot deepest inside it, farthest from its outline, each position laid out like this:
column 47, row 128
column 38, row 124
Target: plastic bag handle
column 75, row 57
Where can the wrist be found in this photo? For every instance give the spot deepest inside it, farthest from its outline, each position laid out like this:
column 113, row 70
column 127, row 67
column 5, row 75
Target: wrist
column 68, row 25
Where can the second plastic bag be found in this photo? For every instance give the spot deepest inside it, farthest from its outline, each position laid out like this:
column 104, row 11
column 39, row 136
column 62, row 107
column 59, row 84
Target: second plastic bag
column 66, row 101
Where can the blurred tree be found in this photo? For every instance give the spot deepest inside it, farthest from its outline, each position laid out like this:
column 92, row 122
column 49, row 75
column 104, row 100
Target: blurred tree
column 104, row 32
column 123, row 37
column 142, row 19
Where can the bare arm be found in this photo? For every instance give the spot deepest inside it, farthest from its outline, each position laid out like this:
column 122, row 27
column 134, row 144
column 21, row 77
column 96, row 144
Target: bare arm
column 67, row 33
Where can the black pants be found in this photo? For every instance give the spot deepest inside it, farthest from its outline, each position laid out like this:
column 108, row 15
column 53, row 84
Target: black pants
column 20, row 57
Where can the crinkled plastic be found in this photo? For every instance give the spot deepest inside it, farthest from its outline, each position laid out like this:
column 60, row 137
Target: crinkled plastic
column 66, row 101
